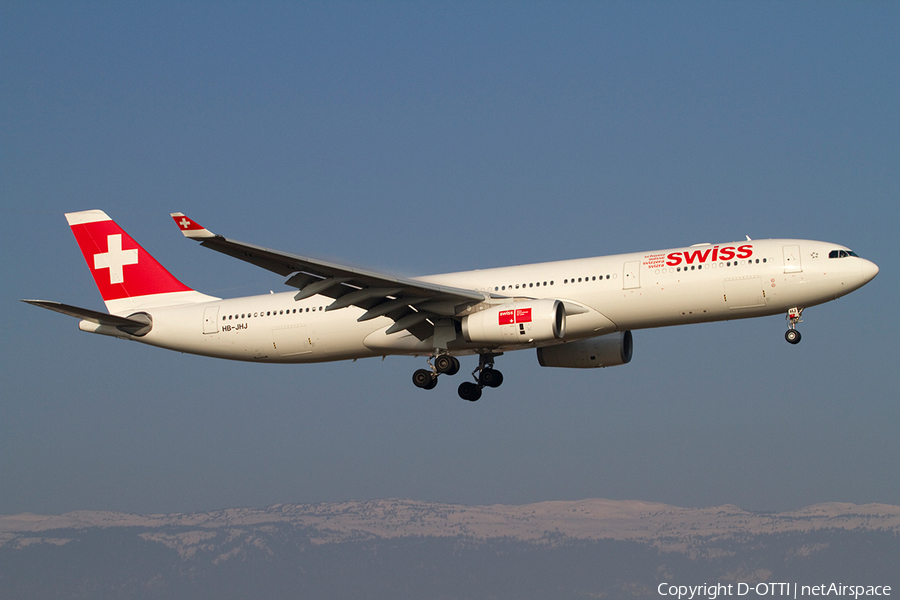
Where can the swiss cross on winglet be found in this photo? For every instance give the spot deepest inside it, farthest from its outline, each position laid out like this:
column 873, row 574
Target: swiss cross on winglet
column 191, row 229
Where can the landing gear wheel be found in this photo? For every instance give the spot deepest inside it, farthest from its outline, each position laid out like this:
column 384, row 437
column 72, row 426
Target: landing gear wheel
column 792, row 336
column 424, row 379
column 446, row 364
column 490, row 378
column 469, row 391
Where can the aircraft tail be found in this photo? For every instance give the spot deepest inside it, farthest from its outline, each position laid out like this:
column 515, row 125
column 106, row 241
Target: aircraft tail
column 127, row 276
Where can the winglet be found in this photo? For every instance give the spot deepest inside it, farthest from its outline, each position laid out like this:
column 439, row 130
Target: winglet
column 191, row 229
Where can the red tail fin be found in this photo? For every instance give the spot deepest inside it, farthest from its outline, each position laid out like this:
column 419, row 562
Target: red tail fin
column 126, row 275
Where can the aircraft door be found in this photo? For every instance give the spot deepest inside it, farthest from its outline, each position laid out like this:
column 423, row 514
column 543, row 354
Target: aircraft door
column 792, row 259
column 631, row 278
column 211, row 320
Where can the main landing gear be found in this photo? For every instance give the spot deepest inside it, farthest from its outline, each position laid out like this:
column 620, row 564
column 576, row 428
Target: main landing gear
column 487, row 376
column 444, row 364
column 793, row 317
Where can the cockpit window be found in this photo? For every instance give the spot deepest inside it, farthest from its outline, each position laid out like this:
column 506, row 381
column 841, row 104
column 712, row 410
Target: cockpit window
column 841, row 254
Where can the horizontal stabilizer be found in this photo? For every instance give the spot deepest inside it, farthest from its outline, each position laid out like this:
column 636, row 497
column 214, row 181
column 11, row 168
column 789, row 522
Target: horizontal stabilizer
column 128, row 325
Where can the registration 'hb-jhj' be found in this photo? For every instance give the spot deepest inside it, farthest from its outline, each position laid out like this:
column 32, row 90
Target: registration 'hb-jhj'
column 574, row 313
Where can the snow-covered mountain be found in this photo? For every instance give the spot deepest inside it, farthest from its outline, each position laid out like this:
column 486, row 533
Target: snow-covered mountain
column 355, row 549
column 583, row 519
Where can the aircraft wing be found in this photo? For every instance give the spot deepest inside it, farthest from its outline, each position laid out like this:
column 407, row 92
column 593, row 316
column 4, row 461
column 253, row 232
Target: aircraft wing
column 408, row 302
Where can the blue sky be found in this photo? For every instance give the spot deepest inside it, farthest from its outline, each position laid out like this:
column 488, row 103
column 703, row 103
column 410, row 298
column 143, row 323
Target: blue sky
column 420, row 138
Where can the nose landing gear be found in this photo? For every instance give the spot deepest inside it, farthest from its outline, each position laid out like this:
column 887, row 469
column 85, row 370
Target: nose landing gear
column 793, row 317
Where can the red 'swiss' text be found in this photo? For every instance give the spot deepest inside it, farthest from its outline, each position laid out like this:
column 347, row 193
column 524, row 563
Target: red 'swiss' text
column 700, row 256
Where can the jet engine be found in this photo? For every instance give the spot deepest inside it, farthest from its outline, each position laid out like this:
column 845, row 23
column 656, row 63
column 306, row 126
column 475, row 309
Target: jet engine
column 604, row 351
column 517, row 323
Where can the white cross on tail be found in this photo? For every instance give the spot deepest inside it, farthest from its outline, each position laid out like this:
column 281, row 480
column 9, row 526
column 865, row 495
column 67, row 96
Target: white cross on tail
column 115, row 258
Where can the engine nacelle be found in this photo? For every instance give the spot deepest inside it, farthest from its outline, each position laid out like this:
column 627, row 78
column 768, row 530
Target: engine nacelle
column 517, row 323
column 604, row 351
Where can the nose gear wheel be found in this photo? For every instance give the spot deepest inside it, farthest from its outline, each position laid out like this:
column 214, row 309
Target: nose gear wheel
column 793, row 317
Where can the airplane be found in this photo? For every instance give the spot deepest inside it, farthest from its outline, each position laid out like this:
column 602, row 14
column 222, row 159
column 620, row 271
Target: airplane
column 574, row 313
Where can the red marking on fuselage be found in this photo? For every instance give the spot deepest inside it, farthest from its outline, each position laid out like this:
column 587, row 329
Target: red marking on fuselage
column 690, row 257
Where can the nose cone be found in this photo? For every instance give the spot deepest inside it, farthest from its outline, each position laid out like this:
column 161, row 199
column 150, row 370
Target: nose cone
column 869, row 270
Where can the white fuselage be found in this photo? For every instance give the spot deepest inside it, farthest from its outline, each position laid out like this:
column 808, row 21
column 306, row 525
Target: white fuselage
column 601, row 295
